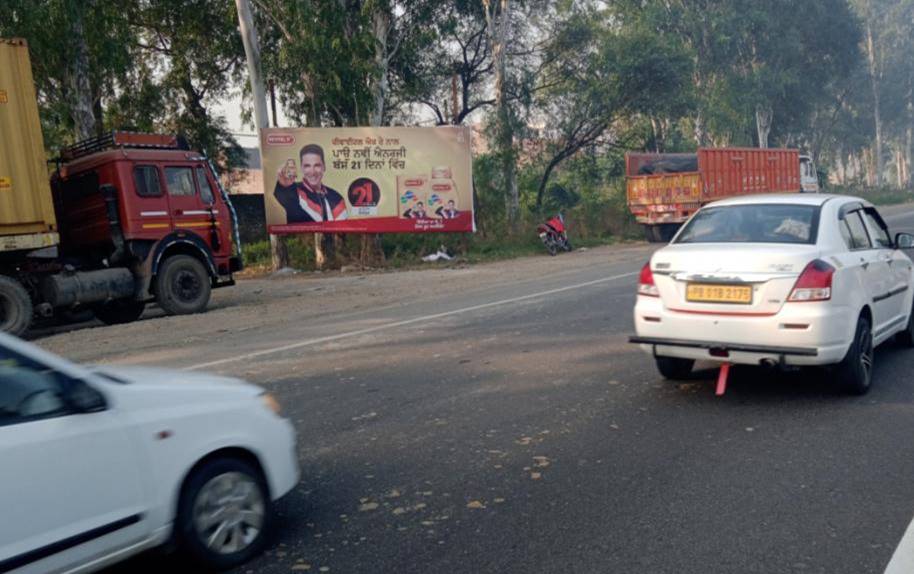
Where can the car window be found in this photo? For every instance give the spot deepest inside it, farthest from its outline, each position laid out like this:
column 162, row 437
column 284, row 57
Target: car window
column 29, row 390
column 880, row 235
column 859, row 236
column 757, row 223
column 206, row 192
column 180, row 181
column 146, row 178
column 846, row 234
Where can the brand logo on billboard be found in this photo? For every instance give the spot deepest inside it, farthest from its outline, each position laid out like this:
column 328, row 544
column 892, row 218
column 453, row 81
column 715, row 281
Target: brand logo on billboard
column 280, row 139
column 441, row 187
column 414, row 182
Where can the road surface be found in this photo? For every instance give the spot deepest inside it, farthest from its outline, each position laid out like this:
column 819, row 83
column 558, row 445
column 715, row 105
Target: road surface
column 494, row 419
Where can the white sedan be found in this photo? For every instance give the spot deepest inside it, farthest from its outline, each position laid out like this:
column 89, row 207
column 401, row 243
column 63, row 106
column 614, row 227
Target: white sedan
column 778, row 280
column 100, row 464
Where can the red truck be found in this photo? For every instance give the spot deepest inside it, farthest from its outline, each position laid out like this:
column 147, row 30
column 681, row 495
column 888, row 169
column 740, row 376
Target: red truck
column 664, row 190
column 125, row 219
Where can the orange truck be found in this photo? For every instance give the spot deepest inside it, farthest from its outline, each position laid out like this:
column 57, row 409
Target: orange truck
column 664, row 190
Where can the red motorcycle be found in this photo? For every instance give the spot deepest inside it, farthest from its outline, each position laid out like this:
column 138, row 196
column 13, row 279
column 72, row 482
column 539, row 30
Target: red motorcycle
column 553, row 235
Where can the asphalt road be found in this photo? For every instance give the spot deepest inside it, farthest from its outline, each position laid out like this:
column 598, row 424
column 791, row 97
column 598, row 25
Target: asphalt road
column 479, row 432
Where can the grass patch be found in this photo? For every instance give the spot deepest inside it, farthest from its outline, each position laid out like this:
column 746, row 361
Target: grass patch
column 405, row 251
column 884, row 195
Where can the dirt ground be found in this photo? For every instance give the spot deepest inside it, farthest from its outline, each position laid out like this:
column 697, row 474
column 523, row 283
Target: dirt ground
column 264, row 307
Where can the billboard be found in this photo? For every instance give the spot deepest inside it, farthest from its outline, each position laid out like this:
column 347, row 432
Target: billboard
column 367, row 180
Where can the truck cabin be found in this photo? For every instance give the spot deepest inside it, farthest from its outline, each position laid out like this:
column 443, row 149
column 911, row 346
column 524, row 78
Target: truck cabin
column 128, row 195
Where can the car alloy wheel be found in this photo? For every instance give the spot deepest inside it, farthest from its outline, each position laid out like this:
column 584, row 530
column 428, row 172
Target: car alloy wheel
column 229, row 513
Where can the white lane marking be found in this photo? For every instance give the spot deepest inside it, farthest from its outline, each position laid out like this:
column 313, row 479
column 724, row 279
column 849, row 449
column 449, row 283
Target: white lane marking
column 902, row 561
column 395, row 324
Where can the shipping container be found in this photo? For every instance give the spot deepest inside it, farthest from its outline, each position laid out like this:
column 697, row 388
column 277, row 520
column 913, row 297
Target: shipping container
column 26, row 205
column 664, row 190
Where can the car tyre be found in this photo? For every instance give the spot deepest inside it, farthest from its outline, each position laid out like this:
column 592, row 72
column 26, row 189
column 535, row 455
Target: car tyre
column 183, row 285
column 855, row 371
column 906, row 337
column 224, row 514
column 15, row 307
column 674, row 368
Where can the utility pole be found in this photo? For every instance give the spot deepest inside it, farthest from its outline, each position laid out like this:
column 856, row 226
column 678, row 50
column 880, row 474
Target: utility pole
column 252, row 51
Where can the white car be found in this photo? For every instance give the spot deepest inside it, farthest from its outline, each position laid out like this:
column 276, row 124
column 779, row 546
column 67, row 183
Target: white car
column 99, row 464
column 785, row 279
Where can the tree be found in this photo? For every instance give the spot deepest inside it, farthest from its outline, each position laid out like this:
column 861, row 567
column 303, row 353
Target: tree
column 598, row 77
column 498, row 27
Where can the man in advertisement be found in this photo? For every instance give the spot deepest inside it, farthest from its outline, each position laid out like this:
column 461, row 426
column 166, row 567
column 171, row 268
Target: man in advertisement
column 308, row 200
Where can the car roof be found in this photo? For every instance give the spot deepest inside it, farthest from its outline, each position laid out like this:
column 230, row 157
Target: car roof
column 817, row 199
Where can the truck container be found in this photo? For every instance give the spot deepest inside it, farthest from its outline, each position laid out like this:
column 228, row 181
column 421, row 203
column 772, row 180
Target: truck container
column 664, row 190
column 126, row 219
column 26, row 209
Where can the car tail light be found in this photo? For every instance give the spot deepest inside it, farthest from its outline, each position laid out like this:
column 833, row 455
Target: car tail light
column 814, row 283
column 646, row 282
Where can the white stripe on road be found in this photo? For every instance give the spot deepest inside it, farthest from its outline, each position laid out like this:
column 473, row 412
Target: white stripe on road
column 902, row 561
column 395, row 324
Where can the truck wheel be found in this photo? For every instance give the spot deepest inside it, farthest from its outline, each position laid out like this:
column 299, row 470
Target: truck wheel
column 667, row 231
column 119, row 312
column 15, row 307
column 652, row 233
column 182, row 285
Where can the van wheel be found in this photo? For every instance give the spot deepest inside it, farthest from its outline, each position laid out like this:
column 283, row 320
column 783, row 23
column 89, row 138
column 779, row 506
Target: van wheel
column 674, row 368
column 119, row 312
column 224, row 514
column 15, row 307
column 182, row 285
column 855, row 371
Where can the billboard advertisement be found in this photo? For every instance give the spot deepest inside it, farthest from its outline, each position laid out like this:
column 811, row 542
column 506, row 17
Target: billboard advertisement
column 367, row 180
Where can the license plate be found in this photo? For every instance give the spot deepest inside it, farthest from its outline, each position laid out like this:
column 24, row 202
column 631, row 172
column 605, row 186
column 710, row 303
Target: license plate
column 703, row 293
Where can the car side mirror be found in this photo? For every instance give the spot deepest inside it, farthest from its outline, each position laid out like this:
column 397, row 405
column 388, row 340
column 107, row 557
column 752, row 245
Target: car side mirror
column 904, row 241
column 85, row 399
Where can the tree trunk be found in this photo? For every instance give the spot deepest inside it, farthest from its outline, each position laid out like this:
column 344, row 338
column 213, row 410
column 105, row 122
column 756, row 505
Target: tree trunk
column 874, row 85
column 763, row 117
column 79, row 89
column 498, row 19
column 657, row 133
column 899, row 169
column 380, row 30
column 698, row 129
column 278, row 248
column 907, row 156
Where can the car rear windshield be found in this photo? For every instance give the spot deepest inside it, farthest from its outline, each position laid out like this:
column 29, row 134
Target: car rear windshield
column 756, row 223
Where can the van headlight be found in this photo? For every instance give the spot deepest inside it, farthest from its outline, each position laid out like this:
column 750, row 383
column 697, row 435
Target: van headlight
column 270, row 402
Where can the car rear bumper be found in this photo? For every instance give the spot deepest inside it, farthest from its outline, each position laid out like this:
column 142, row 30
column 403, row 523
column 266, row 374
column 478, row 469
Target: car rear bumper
column 800, row 334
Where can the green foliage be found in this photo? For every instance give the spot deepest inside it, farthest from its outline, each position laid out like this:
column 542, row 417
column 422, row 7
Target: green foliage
column 153, row 66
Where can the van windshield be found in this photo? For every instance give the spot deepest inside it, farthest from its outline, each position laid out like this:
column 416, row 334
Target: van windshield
column 756, row 223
